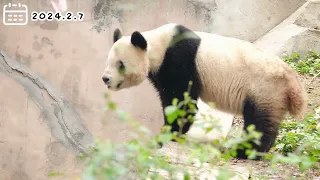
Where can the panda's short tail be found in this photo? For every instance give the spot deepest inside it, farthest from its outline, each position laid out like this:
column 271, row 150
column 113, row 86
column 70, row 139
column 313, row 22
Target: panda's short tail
column 297, row 100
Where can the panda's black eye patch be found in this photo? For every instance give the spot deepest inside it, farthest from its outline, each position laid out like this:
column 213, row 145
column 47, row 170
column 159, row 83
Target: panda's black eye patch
column 121, row 67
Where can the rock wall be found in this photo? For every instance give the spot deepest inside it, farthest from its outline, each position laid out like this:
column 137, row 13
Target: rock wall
column 300, row 32
column 51, row 104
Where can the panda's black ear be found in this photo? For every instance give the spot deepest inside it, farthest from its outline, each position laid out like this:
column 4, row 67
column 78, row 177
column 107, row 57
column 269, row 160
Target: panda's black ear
column 138, row 40
column 116, row 35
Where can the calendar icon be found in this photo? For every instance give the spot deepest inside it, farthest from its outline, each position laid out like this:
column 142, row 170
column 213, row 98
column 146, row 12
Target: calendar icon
column 15, row 14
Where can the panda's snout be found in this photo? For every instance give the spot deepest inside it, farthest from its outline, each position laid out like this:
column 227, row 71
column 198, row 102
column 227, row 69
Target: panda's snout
column 106, row 80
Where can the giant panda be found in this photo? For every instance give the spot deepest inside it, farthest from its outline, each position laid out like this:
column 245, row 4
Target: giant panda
column 238, row 77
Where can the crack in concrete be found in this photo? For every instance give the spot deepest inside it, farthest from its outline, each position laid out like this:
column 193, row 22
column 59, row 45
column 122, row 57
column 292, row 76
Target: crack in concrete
column 64, row 122
column 210, row 6
column 104, row 11
column 204, row 11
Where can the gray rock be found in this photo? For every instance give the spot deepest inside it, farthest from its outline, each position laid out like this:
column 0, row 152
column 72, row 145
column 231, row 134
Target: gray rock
column 298, row 33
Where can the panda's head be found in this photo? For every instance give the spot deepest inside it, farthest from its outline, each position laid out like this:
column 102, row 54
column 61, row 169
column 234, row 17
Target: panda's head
column 127, row 64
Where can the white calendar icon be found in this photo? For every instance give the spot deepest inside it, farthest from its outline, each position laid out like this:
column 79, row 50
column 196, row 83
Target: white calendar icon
column 15, row 14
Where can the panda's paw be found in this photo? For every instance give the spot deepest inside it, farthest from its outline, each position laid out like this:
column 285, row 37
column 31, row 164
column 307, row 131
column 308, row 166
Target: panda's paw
column 160, row 145
column 241, row 154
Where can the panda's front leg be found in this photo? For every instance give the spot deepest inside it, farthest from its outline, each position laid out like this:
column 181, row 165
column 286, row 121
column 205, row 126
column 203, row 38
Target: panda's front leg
column 175, row 127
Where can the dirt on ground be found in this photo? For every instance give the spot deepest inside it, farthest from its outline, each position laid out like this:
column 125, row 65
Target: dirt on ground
column 312, row 85
column 262, row 169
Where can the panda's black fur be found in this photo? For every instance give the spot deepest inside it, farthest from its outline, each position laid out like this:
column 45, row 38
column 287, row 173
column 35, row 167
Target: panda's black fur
column 252, row 114
column 178, row 68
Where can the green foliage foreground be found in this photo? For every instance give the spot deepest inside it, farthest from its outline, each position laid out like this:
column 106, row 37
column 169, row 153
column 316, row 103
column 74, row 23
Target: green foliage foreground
column 139, row 155
column 297, row 144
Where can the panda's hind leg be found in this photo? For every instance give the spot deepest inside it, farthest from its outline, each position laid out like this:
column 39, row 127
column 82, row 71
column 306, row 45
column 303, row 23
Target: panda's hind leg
column 266, row 119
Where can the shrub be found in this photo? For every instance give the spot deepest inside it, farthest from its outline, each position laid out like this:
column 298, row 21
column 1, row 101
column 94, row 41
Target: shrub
column 310, row 64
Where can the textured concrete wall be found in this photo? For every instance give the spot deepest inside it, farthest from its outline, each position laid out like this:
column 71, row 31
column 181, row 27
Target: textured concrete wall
column 51, row 103
column 245, row 19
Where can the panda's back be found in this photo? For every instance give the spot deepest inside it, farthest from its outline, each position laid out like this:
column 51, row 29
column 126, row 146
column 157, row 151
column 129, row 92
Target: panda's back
column 230, row 68
column 228, row 48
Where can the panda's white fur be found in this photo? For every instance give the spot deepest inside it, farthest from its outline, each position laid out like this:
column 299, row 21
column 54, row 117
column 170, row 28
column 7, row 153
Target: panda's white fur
column 209, row 117
column 238, row 77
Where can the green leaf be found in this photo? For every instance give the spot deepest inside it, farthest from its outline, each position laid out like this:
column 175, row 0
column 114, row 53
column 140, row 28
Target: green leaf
column 133, row 147
column 144, row 130
column 122, row 71
column 106, row 95
column 212, row 105
column 164, row 138
column 112, row 106
column 224, row 174
column 247, row 145
column 171, row 113
column 55, row 174
column 192, row 106
column 252, row 154
column 306, row 164
column 175, row 102
column 209, row 129
column 182, row 113
column 186, row 176
column 123, row 116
